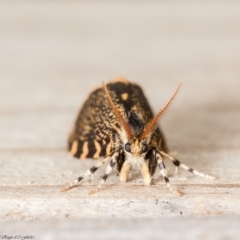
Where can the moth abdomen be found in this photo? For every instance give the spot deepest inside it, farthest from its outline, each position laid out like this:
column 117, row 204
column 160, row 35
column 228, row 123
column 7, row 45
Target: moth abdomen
column 89, row 149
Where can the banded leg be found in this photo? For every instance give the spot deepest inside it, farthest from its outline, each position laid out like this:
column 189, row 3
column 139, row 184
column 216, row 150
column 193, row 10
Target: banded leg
column 125, row 171
column 175, row 153
column 105, row 176
column 89, row 172
column 147, row 179
column 179, row 164
column 176, row 170
column 165, row 176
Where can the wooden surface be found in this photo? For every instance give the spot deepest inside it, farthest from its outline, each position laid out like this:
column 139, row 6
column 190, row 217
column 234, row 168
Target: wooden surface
column 168, row 228
column 54, row 53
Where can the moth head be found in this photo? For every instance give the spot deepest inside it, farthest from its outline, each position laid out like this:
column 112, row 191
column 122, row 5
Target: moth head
column 136, row 146
column 140, row 144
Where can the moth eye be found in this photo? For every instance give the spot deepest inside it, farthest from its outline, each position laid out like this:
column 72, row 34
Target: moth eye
column 144, row 148
column 128, row 147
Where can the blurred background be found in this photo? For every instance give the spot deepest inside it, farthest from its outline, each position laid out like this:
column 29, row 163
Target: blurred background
column 52, row 53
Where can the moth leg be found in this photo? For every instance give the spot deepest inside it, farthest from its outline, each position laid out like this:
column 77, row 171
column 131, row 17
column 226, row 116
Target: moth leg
column 125, row 171
column 149, row 167
column 175, row 153
column 109, row 168
column 89, row 172
column 165, row 176
column 147, row 179
column 178, row 164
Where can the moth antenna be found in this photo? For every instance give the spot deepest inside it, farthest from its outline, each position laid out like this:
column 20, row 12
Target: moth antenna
column 118, row 114
column 153, row 122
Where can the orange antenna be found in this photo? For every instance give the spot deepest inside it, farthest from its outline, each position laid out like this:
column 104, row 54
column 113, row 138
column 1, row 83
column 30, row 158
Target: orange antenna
column 118, row 114
column 153, row 122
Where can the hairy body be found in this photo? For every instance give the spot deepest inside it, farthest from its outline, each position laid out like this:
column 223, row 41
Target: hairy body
column 117, row 123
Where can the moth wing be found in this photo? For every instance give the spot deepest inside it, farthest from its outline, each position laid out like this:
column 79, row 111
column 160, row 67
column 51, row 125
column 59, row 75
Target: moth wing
column 92, row 135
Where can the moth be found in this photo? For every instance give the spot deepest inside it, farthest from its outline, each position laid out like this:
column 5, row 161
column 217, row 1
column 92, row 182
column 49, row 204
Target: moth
column 117, row 124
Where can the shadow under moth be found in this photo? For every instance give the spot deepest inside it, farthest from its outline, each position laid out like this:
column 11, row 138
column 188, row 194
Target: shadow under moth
column 117, row 124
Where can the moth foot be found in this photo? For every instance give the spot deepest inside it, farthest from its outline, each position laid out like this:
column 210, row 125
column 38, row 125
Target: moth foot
column 177, row 193
column 94, row 191
column 147, row 181
column 123, row 179
column 66, row 188
column 212, row 177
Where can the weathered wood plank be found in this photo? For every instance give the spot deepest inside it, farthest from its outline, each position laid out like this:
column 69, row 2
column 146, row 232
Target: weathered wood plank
column 31, row 183
column 167, row 228
column 45, row 202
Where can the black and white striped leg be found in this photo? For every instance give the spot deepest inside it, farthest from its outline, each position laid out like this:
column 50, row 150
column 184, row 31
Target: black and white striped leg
column 175, row 153
column 178, row 164
column 89, row 172
column 109, row 168
column 165, row 176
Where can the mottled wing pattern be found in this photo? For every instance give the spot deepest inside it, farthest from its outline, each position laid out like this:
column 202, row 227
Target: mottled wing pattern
column 93, row 135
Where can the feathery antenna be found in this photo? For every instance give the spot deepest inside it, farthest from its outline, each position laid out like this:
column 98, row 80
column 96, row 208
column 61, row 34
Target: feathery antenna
column 153, row 122
column 118, row 114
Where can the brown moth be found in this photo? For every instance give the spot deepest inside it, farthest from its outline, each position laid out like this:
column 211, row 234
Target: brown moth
column 117, row 123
